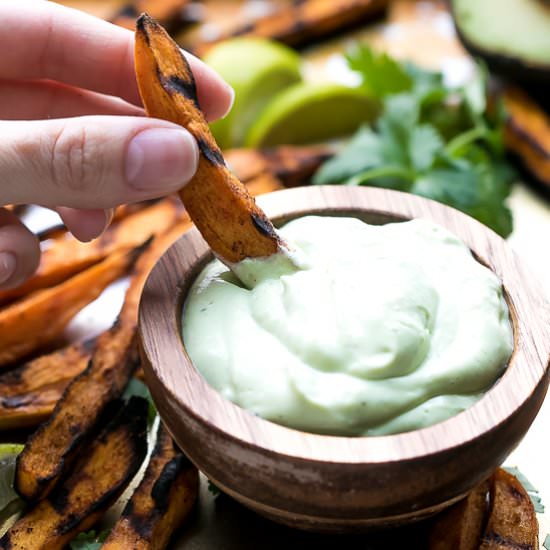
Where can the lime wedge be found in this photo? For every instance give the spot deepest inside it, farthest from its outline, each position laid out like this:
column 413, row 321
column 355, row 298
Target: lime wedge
column 8, row 455
column 257, row 69
column 309, row 113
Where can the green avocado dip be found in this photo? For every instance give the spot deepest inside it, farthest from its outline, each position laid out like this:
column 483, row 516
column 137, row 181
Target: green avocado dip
column 384, row 329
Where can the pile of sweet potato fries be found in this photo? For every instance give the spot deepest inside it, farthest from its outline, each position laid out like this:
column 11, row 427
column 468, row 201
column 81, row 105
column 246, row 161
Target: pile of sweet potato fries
column 88, row 443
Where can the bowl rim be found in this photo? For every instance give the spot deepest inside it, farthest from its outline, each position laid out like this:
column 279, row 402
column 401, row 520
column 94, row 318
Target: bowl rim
column 528, row 367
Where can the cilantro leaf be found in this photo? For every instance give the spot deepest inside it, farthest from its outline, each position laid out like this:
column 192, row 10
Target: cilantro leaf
column 430, row 140
column 361, row 153
column 424, row 144
column 381, row 75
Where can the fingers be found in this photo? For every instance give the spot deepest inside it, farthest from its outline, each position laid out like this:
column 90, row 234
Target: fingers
column 43, row 40
column 85, row 225
column 19, row 251
column 26, row 100
column 93, row 162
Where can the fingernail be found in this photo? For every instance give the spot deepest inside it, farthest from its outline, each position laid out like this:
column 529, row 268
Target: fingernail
column 8, row 263
column 231, row 93
column 109, row 215
column 161, row 160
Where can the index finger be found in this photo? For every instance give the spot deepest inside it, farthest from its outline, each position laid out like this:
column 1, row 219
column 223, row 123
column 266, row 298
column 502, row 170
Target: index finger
column 43, row 40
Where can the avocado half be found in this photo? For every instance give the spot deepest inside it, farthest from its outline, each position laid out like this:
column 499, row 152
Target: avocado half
column 512, row 36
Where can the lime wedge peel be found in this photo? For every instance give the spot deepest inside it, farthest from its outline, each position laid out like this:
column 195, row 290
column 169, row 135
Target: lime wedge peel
column 257, row 69
column 311, row 112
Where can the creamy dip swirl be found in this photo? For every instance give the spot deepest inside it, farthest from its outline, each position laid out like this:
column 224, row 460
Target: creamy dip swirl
column 385, row 329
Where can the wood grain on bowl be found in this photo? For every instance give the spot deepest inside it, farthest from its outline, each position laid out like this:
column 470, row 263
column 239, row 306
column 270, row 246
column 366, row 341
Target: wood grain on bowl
column 337, row 483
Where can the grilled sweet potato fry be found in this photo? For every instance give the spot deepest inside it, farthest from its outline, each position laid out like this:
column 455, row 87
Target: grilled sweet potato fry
column 527, row 133
column 218, row 203
column 169, row 13
column 75, row 419
column 461, row 526
column 512, row 520
column 292, row 165
column 301, row 23
column 67, row 256
column 51, row 450
column 160, row 503
column 95, row 483
column 29, row 392
column 39, row 319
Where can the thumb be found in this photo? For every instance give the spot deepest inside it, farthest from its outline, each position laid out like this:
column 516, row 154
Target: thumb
column 93, row 162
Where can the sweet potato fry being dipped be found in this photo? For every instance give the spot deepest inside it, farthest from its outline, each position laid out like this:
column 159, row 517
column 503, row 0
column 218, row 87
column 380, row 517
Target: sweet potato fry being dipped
column 40, row 318
column 161, row 502
column 301, row 23
column 74, row 419
column 98, row 479
column 217, row 202
column 30, row 391
column 67, row 256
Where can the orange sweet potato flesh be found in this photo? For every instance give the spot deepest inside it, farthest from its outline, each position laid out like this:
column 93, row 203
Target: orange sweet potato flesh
column 527, row 133
column 50, row 451
column 461, row 526
column 41, row 317
column 98, row 479
column 29, row 392
column 512, row 519
column 217, row 202
column 303, row 22
column 67, row 256
column 161, row 502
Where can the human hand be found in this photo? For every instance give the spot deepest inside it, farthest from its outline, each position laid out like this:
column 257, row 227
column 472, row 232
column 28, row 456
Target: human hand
column 73, row 135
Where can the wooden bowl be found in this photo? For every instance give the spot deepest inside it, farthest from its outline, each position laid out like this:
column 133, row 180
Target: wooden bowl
column 327, row 483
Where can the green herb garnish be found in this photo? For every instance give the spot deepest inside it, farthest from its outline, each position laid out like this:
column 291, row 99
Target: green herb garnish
column 430, row 140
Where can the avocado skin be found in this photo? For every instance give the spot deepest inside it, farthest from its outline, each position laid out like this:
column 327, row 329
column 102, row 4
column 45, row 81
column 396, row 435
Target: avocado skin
column 513, row 68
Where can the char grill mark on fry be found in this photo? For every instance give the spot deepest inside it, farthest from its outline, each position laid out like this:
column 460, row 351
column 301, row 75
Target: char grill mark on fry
column 30, row 392
column 98, row 479
column 161, row 502
column 177, row 85
column 51, row 450
column 216, row 201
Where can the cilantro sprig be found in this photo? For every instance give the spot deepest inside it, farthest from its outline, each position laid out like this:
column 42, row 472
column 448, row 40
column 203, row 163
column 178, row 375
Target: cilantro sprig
column 438, row 142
